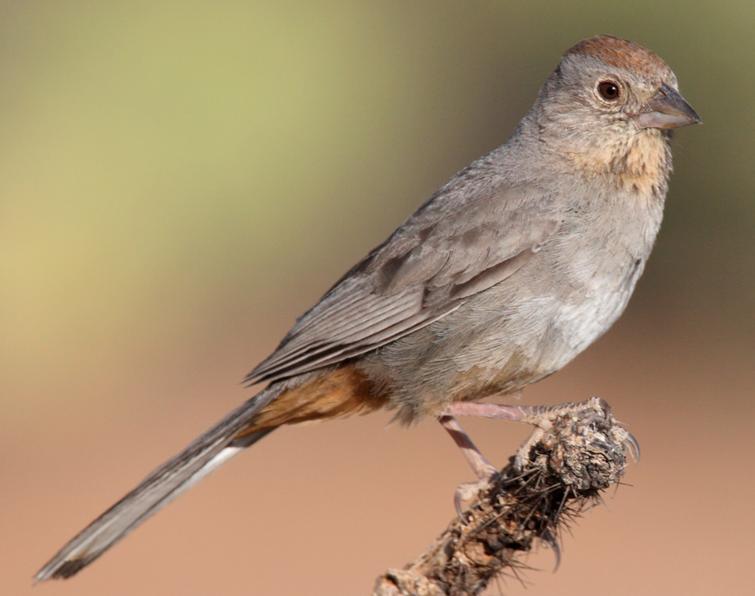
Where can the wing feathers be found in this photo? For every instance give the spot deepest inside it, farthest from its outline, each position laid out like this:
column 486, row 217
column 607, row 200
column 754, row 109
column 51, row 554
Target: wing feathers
column 375, row 341
column 354, row 325
column 449, row 250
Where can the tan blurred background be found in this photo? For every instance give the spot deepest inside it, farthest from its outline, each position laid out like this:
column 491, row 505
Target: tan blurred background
column 179, row 180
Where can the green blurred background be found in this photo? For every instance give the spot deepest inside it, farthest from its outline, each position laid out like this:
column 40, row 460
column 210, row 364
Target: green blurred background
column 179, row 180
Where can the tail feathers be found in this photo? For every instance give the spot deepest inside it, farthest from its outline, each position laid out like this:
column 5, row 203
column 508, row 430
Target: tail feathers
column 202, row 456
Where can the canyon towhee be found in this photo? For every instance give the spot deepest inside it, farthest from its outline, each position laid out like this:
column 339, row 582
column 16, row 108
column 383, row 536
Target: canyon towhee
column 502, row 277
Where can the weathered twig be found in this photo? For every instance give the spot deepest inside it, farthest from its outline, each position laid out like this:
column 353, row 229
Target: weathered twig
column 577, row 453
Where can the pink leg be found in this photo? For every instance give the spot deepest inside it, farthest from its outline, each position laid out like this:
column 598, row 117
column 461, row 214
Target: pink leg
column 540, row 417
column 477, row 461
column 482, row 467
column 485, row 410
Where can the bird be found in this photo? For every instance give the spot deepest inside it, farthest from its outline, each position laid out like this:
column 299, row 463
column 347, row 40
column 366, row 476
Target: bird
column 498, row 280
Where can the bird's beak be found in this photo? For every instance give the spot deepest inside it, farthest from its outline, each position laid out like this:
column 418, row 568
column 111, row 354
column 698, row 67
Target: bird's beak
column 667, row 109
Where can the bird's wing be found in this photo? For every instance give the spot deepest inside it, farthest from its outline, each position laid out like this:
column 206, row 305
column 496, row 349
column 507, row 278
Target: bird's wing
column 464, row 240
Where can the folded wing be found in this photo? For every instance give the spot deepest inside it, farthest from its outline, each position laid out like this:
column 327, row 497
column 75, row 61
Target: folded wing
column 456, row 245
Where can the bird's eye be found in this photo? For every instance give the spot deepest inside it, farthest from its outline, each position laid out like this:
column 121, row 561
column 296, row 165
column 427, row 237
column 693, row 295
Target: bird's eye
column 609, row 90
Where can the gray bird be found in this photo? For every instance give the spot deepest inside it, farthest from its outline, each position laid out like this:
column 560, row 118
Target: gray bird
column 501, row 278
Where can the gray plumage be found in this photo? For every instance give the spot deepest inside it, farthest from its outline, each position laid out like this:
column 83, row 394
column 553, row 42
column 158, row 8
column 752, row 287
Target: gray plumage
column 502, row 277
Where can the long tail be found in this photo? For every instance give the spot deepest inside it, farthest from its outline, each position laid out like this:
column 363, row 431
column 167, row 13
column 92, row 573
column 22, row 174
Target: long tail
column 202, row 456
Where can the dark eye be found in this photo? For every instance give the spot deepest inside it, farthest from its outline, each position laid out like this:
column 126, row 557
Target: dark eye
column 609, row 90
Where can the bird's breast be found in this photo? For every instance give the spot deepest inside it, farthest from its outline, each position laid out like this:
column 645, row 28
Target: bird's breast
column 595, row 266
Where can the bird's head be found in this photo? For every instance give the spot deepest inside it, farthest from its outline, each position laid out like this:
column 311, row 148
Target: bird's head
column 607, row 98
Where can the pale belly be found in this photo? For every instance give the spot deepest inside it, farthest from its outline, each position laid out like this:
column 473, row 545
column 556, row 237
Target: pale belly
column 500, row 342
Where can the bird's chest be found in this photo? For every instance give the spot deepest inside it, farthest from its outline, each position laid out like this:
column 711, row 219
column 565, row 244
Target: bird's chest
column 589, row 306
column 598, row 261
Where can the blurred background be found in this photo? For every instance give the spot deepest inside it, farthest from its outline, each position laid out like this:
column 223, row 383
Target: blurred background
column 180, row 180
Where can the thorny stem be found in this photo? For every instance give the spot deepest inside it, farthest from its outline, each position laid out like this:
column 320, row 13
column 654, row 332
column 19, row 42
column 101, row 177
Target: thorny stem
column 579, row 455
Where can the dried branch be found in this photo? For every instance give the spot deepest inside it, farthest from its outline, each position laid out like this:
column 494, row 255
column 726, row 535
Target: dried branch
column 578, row 452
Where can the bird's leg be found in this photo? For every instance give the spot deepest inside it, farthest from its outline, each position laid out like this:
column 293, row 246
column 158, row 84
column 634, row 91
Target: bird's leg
column 477, row 461
column 541, row 417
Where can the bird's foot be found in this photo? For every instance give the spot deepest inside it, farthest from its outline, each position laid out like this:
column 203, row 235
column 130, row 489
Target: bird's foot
column 466, row 493
column 483, row 469
column 541, row 417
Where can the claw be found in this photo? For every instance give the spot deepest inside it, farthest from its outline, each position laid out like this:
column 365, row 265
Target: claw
column 552, row 541
column 466, row 493
column 633, row 445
